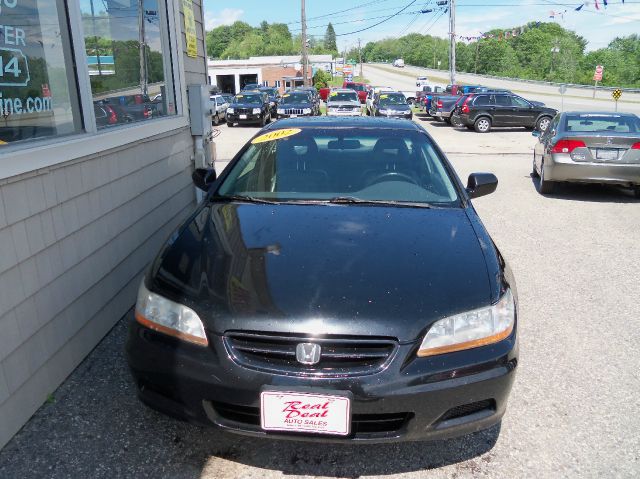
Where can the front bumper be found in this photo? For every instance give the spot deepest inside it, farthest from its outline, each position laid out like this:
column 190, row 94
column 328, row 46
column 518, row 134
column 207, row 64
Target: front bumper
column 396, row 115
column 563, row 168
column 345, row 113
column 250, row 118
column 410, row 399
column 286, row 115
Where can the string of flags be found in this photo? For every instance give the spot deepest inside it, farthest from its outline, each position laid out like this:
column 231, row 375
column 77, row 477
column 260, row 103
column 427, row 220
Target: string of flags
column 520, row 30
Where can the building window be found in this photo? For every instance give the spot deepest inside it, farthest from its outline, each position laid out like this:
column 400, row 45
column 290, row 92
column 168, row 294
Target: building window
column 38, row 92
column 277, row 83
column 265, row 83
column 128, row 60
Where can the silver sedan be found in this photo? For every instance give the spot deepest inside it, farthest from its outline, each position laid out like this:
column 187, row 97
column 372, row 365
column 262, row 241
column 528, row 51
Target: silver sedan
column 589, row 147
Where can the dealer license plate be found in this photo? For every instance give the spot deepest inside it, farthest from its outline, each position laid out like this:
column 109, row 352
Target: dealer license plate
column 243, row 117
column 602, row 154
column 293, row 116
column 305, row 412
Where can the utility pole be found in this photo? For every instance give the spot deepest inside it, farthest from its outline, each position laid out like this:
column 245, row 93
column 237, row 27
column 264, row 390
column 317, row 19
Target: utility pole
column 143, row 53
column 305, row 56
column 360, row 58
column 452, row 41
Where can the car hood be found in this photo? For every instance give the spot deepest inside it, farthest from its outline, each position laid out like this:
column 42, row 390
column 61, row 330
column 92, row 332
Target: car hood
column 335, row 269
column 395, row 107
column 245, row 105
column 338, row 104
column 536, row 103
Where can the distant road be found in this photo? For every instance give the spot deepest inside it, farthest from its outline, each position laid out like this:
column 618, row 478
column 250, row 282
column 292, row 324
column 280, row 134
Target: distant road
column 574, row 99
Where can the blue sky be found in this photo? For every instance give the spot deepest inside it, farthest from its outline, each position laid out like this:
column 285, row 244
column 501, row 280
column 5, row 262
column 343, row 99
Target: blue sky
column 599, row 27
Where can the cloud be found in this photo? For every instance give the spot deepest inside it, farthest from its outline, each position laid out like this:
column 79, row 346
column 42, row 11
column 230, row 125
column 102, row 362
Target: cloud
column 226, row 17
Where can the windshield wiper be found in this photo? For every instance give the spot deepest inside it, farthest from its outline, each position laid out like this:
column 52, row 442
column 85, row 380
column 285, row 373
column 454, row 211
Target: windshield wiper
column 246, row 198
column 353, row 200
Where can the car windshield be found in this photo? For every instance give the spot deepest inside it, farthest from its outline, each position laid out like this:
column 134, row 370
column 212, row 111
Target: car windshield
column 299, row 97
column 392, row 99
column 343, row 96
column 341, row 165
column 254, row 98
column 270, row 91
column 602, row 123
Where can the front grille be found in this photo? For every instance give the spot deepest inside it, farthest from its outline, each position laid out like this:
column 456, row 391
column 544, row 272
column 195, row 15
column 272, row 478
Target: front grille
column 293, row 111
column 339, row 356
column 243, row 111
column 467, row 409
column 360, row 423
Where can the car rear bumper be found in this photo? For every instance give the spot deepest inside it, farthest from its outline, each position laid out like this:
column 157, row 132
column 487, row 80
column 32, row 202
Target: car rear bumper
column 562, row 168
column 410, row 399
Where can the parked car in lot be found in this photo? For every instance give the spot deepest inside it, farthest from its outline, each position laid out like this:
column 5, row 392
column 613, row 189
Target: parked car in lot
column 371, row 94
column 422, row 81
column 359, row 87
column 423, row 97
column 249, row 107
column 219, row 105
column 486, row 110
column 250, row 86
column 315, row 97
column 403, row 328
column 343, row 102
column 296, row 103
column 392, row 105
column 274, row 97
column 589, row 147
column 441, row 108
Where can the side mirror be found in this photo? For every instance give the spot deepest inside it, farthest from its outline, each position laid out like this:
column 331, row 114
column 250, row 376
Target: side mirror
column 481, row 184
column 535, row 133
column 203, row 178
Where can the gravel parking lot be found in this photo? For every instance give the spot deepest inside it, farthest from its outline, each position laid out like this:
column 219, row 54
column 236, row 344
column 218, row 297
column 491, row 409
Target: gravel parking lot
column 574, row 410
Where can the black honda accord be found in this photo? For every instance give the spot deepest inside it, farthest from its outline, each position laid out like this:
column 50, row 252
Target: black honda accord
column 335, row 284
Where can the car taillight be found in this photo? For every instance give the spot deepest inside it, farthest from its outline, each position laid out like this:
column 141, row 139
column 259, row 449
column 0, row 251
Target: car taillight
column 113, row 118
column 465, row 107
column 439, row 104
column 567, row 146
column 636, row 146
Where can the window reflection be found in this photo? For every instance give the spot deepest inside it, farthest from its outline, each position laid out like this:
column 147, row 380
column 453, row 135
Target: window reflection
column 128, row 60
column 37, row 87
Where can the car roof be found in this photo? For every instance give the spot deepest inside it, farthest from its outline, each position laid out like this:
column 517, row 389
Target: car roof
column 342, row 90
column 345, row 122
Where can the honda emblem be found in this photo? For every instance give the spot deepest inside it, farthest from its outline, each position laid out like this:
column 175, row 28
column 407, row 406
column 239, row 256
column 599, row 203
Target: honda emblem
column 308, row 353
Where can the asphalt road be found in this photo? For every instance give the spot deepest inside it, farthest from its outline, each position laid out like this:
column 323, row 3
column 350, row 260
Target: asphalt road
column 574, row 410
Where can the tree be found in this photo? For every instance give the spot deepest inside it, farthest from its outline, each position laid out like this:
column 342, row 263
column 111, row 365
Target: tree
column 330, row 39
column 321, row 79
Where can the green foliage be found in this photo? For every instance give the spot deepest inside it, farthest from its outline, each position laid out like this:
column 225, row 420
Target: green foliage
column 544, row 51
column 321, row 79
column 330, row 38
column 241, row 40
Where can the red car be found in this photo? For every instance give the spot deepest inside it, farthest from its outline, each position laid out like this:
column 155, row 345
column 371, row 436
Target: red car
column 359, row 87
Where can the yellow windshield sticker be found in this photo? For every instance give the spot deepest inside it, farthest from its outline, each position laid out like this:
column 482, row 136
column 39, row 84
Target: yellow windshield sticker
column 285, row 95
column 239, row 96
column 276, row 135
column 382, row 97
column 334, row 93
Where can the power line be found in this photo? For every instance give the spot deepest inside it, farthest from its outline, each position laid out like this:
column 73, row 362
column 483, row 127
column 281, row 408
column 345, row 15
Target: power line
column 339, row 11
column 381, row 22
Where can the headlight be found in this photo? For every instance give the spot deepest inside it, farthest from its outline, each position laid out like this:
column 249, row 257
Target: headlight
column 306, row 110
column 281, row 111
column 230, row 110
column 158, row 313
column 407, row 113
column 256, row 111
column 471, row 329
